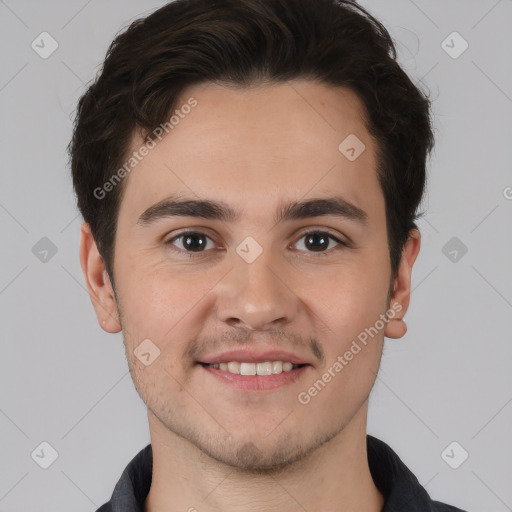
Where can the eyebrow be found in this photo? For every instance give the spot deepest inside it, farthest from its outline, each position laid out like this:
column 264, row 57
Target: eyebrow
column 217, row 210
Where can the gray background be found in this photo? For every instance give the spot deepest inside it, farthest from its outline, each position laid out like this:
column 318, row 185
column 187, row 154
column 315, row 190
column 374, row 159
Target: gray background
column 64, row 381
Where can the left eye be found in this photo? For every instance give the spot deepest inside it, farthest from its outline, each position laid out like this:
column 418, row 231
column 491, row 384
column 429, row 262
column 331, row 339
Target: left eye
column 319, row 240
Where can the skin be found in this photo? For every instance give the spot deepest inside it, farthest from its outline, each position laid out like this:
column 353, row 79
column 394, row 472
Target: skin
column 216, row 448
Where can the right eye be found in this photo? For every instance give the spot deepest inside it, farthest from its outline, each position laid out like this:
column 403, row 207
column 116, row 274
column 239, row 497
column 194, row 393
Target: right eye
column 191, row 242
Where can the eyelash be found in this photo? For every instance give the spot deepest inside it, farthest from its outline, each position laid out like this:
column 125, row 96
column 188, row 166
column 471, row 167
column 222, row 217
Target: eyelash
column 202, row 253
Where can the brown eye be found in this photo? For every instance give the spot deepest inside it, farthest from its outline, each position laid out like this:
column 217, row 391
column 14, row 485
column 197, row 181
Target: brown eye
column 191, row 241
column 319, row 241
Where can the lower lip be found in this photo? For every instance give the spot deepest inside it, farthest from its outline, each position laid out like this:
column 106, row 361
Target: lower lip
column 257, row 382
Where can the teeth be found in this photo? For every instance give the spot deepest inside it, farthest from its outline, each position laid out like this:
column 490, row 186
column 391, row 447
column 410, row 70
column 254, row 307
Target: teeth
column 247, row 369
column 277, row 367
column 233, row 367
column 287, row 367
column 266, row 368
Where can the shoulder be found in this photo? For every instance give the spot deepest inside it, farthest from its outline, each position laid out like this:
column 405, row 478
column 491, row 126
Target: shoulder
column 437, row 506
column 105, row 508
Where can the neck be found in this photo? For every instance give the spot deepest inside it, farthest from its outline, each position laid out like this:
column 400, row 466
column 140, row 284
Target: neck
column 335, row 477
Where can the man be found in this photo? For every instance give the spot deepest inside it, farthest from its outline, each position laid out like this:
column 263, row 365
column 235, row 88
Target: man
column 249, row 173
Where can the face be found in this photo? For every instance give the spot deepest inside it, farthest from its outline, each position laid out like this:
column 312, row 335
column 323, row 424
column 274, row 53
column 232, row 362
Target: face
column 264, row 282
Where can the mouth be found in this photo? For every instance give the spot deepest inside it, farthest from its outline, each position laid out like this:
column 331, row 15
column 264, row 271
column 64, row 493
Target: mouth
column 255, row 377
column 263, row 369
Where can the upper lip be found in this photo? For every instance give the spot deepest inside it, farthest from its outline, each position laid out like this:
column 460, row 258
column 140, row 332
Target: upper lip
column 253, row 356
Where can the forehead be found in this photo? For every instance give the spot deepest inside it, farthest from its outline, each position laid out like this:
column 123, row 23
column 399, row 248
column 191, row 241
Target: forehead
column 258, row 144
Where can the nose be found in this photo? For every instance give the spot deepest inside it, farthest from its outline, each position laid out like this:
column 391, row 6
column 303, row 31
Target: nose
column 256, row 296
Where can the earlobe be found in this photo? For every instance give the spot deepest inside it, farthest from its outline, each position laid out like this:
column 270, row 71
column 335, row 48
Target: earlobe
column 98, row 282
column 396, row 328
column 399, row 302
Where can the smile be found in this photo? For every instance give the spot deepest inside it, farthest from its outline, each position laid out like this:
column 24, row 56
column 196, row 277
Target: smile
column 255, row 377
column 264, row 368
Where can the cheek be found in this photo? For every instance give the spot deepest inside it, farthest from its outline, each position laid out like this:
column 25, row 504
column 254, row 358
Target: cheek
column 350, row 304
column 351, row 308
column 352, row 297
column 152, row 294
column 168, row 307
column 338, row 390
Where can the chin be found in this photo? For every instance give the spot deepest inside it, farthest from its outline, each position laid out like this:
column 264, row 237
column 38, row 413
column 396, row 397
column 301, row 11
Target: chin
column 254, row 448
column 248, row 457
column 257, row 455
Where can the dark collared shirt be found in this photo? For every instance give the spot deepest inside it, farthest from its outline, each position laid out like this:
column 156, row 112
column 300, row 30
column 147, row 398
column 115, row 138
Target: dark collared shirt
column 401, row 490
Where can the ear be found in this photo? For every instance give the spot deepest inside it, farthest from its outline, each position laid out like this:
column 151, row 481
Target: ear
column 399, row 301
column 98, row 283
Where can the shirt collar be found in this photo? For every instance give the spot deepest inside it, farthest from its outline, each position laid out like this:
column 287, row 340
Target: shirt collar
column 398, row 485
